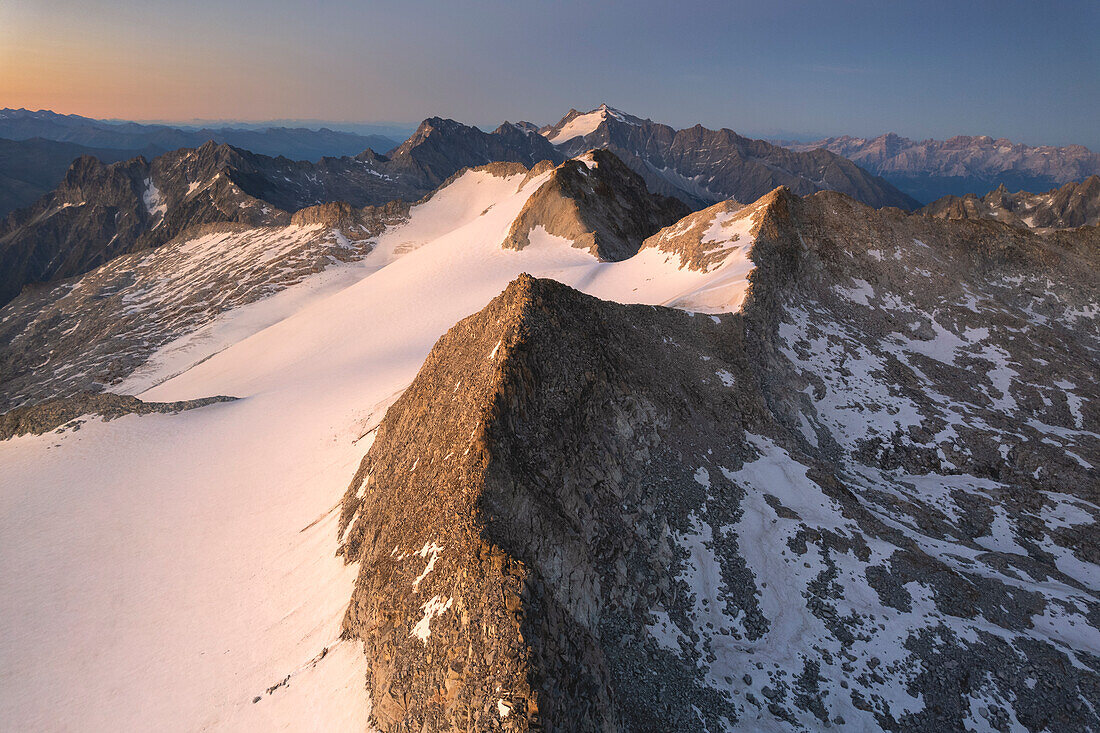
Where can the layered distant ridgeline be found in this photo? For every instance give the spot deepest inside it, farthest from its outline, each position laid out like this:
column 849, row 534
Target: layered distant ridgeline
column 296, row 143
column 930, row 169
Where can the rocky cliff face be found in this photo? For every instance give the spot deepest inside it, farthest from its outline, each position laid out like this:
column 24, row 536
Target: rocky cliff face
column 867, row 499
column 439, row 148
column 102, row 211
column 597, row 203
column 931, row 169
column 1072, row 205
column 702, row 166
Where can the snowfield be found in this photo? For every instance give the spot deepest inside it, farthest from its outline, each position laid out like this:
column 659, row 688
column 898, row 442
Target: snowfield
column 163, row 572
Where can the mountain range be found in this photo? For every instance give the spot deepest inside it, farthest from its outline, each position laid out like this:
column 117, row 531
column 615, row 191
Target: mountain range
column 704, row 166
column 931, row 169
column 37, row 148
column 98, row 212
column 294, row 143
column 548, row 450
column 101, row 211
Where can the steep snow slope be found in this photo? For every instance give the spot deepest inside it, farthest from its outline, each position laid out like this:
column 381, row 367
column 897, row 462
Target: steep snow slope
column 402, row 308
column 164, row 571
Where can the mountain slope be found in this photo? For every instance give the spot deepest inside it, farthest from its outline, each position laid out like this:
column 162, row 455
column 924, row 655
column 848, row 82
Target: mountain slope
column 930, row 169
column 906, row 408
column 99, row 212
column 772, row 520
column 1072, row 205
column 703, row 166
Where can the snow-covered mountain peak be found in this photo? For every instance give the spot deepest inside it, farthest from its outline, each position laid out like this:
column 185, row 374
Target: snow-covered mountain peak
column 577, row 124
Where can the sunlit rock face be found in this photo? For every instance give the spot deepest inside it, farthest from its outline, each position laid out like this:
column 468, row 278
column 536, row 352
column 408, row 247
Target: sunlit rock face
column 868, row 498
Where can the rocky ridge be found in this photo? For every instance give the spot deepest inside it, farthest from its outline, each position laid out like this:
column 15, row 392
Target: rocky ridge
column 869, row 498
column 63, row 413
column 931, row 169
column 598, row 204
column 1072, row 205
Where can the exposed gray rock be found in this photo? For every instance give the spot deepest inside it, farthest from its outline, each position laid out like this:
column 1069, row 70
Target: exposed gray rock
column 597, row 203
column 1072, row 205
column 62, row 413
column 588, row 516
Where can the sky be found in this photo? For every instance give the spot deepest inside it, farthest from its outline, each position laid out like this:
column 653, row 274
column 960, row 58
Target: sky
column 1028, row 71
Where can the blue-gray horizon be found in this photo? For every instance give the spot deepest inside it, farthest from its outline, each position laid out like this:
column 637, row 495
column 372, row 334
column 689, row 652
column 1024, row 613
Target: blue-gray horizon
column 1019, row 70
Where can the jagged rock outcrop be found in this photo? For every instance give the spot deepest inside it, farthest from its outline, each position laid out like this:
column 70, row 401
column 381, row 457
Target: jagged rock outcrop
column 32, row 168
column 702, row 240
column 1072, row 205
column 702, row 166
column 63, row 412
column 530, row 515
column 441, row 147
column 868, row 499
column 344, row 216
column 965, row 164
column 599, row 204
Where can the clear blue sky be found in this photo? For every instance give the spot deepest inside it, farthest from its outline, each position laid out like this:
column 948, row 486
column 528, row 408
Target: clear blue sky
column 1029, row 71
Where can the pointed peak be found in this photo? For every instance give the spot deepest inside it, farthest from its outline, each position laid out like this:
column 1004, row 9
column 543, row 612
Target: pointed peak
column 577, row 124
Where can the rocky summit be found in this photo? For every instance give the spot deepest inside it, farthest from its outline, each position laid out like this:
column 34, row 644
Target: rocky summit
column 597, row 203
column 866, row 500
